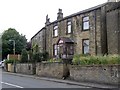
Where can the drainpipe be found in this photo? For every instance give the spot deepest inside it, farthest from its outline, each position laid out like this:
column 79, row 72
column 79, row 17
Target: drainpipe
column 95, row 33
column 118, row 33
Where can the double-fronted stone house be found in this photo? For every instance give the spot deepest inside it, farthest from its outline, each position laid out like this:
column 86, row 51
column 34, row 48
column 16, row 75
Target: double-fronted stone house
column 94, row 31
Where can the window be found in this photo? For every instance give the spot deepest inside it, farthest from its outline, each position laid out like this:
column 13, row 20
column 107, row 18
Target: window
column 86, row 25
column 69, row 27
column 55, row 51
column 85, row 46
column 55, row 31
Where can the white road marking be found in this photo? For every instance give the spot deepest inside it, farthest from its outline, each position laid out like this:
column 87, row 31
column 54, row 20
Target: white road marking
column 11, row 85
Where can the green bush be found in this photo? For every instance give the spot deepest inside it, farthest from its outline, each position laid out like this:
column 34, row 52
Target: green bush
column 96, row 60
column 37, row 57
column 54, row 60
column 103, row 60
column 24, row 56
column 30, row 56
column 11, row 61
column 45, row 56
column 113, row 59
column 76, row 59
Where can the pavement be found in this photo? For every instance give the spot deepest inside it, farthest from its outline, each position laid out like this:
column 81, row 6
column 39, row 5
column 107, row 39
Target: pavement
column 87, row 84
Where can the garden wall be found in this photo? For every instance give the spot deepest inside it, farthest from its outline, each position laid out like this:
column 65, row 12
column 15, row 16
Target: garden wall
column 56, row 70
column 24, row 68
column 106, row 74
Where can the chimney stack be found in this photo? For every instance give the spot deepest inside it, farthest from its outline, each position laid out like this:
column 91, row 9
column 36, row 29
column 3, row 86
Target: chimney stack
column 47, row 20
column 59, row 14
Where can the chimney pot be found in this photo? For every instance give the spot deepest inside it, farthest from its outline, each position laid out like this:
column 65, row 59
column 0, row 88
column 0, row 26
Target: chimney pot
column 59, row 14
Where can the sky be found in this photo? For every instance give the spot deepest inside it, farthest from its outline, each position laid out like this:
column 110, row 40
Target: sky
column 29, row 16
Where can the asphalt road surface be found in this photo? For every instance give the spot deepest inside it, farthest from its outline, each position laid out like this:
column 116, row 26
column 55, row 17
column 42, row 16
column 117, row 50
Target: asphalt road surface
column 13, row 81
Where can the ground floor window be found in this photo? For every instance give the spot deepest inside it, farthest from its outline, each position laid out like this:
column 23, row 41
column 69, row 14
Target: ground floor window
column 55, row 50
column 85, row 44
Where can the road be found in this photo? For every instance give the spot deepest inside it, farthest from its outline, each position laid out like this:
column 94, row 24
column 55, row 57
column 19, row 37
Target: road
column 13, row 81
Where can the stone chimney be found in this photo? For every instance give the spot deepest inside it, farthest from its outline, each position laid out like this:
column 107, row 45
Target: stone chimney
column 113, row 0
column 47, row 20
column 59, row 14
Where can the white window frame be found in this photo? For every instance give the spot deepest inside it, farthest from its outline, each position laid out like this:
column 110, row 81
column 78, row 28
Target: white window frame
column 55, row 48
column 86, row 46
column 55, row 31
column 86, row 23
column 69, row 27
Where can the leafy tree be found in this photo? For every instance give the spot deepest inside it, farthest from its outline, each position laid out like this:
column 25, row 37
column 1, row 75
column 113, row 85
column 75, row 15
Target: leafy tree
column 28, row 47
column 37, row 57
column 45, row 56
column 24, row 56
column 30, row 56
column 7, row 46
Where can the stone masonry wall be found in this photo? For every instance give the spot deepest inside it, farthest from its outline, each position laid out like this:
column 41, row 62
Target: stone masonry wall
column 24, row 68
column 105, row 74
column 108, row 74
column 113, row 29
column 49, row 70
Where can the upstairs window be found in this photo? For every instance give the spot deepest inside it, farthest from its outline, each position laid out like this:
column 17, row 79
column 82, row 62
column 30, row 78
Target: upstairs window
column 86, row 22
column 69, row 25
column 85, row 46
column 55, row 31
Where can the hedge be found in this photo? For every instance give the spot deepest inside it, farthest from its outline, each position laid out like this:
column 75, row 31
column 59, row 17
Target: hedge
column 96, row 60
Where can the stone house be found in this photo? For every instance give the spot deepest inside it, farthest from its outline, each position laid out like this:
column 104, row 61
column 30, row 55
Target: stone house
column 92, row 31
column 39, row 40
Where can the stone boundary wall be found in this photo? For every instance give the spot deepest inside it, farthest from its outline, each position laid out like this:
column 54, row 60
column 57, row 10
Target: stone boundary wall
column 105, row 74
column 24, row 68
column 49, row 70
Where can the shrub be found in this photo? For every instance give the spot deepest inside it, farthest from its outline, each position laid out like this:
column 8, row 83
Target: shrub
column 113, row 59
column 30, row 56
column 11, row 61
column 54, row 60
column 24, row 56
column 103, row 60
column 45, row 56
column 96, row 60
column 37, row 57
column 76, row 59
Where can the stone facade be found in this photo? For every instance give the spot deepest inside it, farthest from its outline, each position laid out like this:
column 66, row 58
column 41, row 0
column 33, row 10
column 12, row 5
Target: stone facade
column 103, row 32
column 113, row 28
column 39, row 39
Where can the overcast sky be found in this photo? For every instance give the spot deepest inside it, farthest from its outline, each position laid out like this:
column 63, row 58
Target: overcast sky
column 28, row 16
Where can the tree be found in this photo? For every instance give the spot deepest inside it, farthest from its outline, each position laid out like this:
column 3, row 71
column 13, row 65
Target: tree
column 7, row 46
column 28, row 47
column 30, row 56
column 24, row 56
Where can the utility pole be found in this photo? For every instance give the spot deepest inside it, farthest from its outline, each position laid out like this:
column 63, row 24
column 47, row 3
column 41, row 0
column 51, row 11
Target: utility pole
column 14, row 54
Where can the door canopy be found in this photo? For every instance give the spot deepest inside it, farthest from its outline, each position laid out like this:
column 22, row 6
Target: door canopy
column 65, row 40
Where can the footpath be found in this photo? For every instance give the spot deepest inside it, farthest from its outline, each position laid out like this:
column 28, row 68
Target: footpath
column 86, row 84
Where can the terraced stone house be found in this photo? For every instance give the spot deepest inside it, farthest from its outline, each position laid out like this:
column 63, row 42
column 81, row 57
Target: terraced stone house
column 94, row 31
